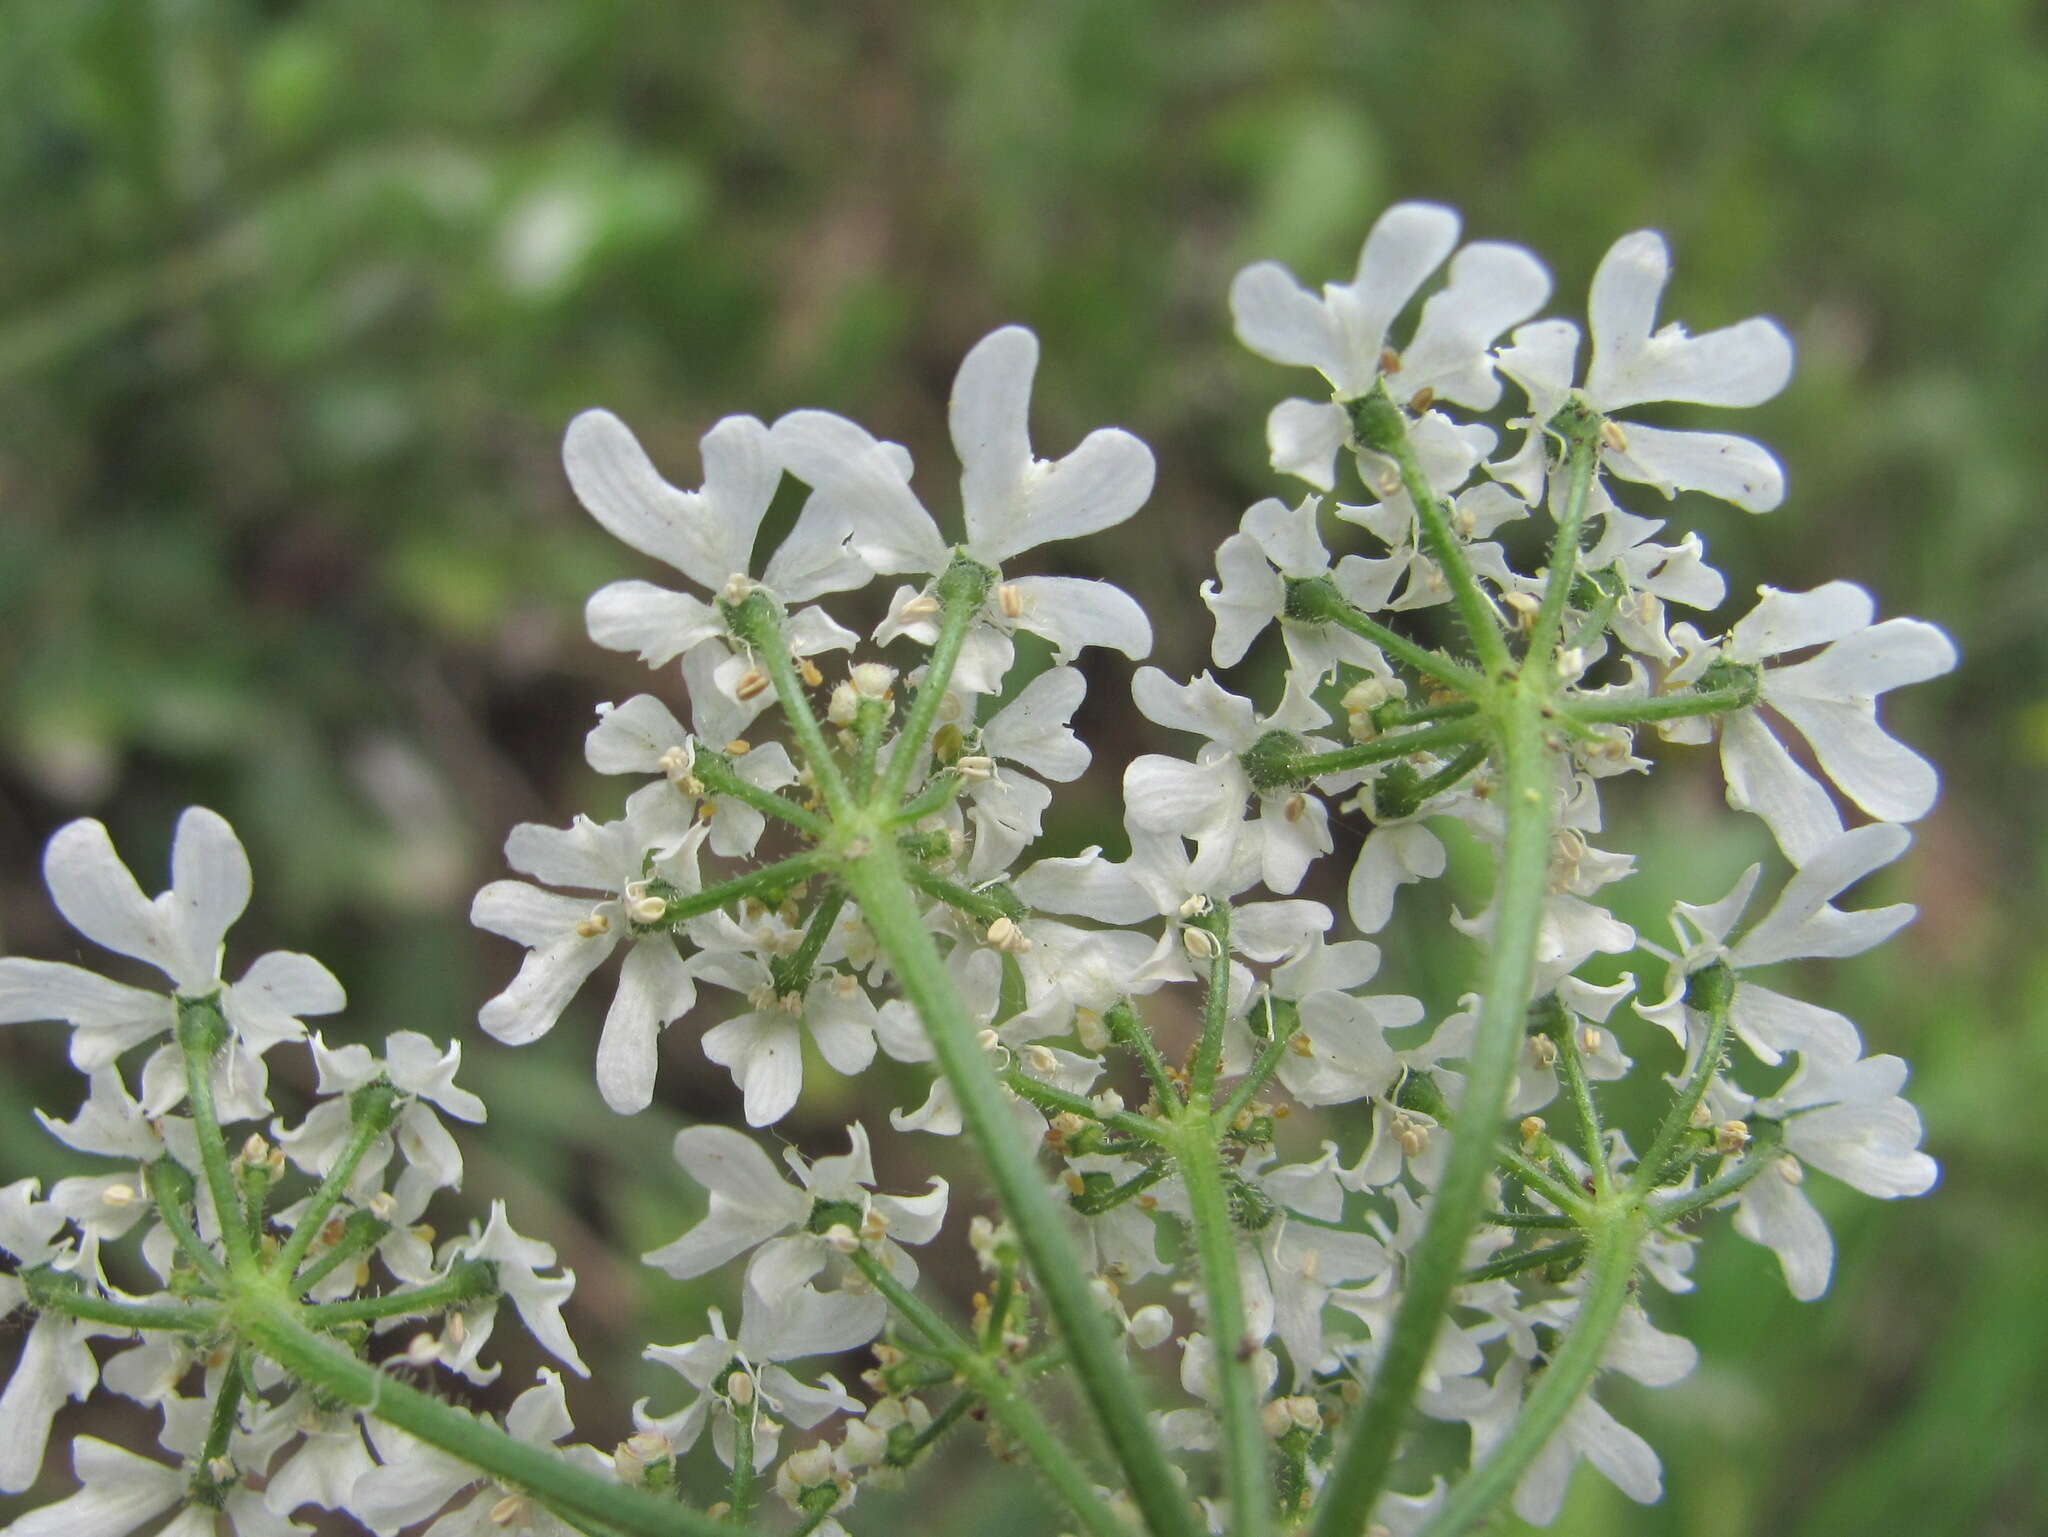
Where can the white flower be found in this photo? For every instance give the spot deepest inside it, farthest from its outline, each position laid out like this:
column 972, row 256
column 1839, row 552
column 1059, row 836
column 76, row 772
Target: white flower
column 1802, row 924
column 1847, row 1119
column 1273, row 544
column 764, row 1047
column 1344, row 333
column 772, row 1330
column 1033, row 731
column 538, row 1298
column 708, row 535
column 642, row 736
column 180, row 932
column 1739, row 365
column 1012, row 502
column 754, row 1208
column 1339, row 1052
column 1208, row 796
column 650, row 851
column 1830, row 698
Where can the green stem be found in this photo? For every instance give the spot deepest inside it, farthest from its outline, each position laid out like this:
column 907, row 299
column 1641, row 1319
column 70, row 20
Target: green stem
column 1581, row 429
column 1528, row 1259
column 1317, row 600
column 1719, row 997
column 1383, row 749
column 363, row 1230
column 1529, row 1219
column 1763, row 1152
column 756, row 622
column 769, row 879
column 743, row 1481
column 978, row 905
column 1630, row 712
column 1047, row 1097
column 1538, row 1178
column 1128, row 1030
column 272, row 1326
column 792, row 973
column 876, row 879
column 717, row 774
column 1262, row 1070
column 1434, row 1266
column 198, row 1021
column 1010, row 1407
column 869, row 717
column 914, row 1446
column 170, row 1187
column 65, row 1295
column 1245, row 1474
column 933, row 798
column 469, row 1281
column 1215, row 1001
column 1456, row 710
column 372, row 1113
column 1571, row 1070
column 220, row 1427
column 1383, row 427
column 1568, row 1375
column 963, row 588
column 1447, row 777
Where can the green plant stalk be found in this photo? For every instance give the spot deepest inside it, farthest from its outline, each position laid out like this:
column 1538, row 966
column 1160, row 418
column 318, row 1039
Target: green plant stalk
column 743, row 1481
column 769, row 878
column 793, row 974
column 193, row 1015
column 1360, row 1471
column 362, row 1137
column 1536, row 1177
column 869, row 717
column 1678, row 1119
column 982, row 908
column 358, row 1237
column 234, row 1381
column 816, row 1518
column 1386, row 748
column 988, row 1380
column 1763, row 1152
column 1447, row 777
column 955, row 1410
column 1245, row 1475
column 1048, row 1097
column 1215, row 1002
column 1571, row 1069
column 1456, row 710
column 1582, row 458
column 962, row 588
column 1262, row 1070
column 1389, row 436
column 181, row 1318
column 468, row 1282
column 935, row 797
column 876, row 879
column 1630, row 712
column 1528, row 1259
column 170, row 1209
column 718, row 776
column 1612, row 1266
column 756, row 622
column 1129, row 1032
column 271, row 1325
column 1318, row 601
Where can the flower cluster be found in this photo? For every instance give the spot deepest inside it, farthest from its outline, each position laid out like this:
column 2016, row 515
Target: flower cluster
column 1381, row 1207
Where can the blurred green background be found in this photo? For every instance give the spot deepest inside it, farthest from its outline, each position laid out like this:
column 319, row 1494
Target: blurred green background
column 295, row 299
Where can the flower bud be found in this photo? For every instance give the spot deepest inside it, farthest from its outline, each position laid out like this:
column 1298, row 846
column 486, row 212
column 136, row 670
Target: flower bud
column 1150, row 1327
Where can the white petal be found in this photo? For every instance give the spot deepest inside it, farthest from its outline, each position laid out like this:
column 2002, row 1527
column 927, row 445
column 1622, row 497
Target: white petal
column 989, row 417
column 1717, row 463
column 1277, row 318
column 1034, row 729
column 1303, row 439
column 209, row 889
column 548, row 978
column 1073, row 612
column 98, row 897
column 630, row 738
column 1763, row 780
column 654, row 623
column 655, row 989
column 764, row 1053
column 526, row 914
column 1248, row 597
column 888, row 526
column 1790, row 621
column 1492, row 286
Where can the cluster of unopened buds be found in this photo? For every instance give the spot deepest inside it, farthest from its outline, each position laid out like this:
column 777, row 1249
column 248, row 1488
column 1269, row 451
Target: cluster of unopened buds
column 1380, row 1211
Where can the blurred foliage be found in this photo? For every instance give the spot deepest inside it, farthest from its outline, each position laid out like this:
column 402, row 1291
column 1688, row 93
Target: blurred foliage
column 296, row 297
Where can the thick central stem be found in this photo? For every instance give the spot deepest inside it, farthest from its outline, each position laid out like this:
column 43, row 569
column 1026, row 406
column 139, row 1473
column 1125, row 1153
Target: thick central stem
column 1437, row 1260
column 877, row 882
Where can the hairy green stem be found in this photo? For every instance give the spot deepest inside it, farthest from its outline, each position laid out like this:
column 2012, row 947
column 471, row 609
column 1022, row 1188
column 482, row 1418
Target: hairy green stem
column 1048, row 1097
column 1011, row 1409
column 273, row 1326
column 372, row 1109
column 1629, row 712
column 1128, row 1030
column 1719, row 998
column 1262, row 1070
column 1245, row 1475
column 62, row 1293
column 1580, row 427
column 1317, row 600
column 963, row 588
column 756, row 621
column 1768, row 1143
column 198, row 1021
column 1386, row 748
column 877, row 880
column 1571, row 1370
column 170, row 1187
column 718, row 775
column 1571, row 1071
column 1360, row 1471
column 363, row 1230
column 769, row 879
column 1215, row 923
column 1383, row 427
column 467, row 1282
